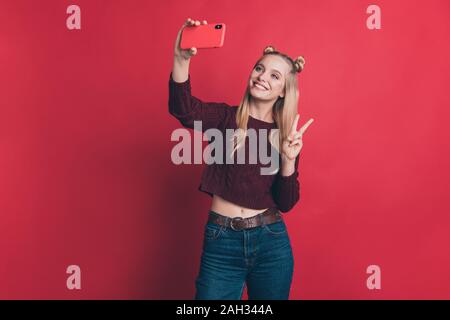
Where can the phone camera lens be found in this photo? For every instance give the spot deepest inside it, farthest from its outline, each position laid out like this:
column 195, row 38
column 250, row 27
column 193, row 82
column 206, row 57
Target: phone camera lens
column 218, row 26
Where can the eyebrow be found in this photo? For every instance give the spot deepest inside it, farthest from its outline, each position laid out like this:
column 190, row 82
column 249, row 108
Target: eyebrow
column 272, row 69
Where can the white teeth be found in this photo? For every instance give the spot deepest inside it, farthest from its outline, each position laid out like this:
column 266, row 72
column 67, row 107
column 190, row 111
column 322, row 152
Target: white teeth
column 260, row 86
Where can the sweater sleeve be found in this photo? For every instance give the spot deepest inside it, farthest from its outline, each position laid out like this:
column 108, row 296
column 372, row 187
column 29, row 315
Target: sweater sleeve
column 187, row 108
column 286, row 190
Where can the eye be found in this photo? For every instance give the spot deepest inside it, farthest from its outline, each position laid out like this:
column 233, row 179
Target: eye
column 274, row 75
column 257, row 68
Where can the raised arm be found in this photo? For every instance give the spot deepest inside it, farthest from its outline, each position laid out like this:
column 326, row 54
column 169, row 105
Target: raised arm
column 182, row 57
column 182, row 105
column 286, row 188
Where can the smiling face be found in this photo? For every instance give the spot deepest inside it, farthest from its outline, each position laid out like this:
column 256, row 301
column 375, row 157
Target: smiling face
column 268, row 78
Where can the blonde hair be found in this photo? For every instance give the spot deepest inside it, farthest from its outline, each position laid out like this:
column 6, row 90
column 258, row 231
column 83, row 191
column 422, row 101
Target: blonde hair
column 284, row 109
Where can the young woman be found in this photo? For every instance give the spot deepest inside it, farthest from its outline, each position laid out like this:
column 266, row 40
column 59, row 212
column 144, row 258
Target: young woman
column 245, row 237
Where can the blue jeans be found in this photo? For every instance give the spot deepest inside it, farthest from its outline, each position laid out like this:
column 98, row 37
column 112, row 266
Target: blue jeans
column 259, row 257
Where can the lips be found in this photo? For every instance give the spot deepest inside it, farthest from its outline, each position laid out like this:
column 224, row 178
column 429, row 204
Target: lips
column 259, row 85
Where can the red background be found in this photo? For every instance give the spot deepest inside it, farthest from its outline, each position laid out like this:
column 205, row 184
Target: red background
column 85, row 171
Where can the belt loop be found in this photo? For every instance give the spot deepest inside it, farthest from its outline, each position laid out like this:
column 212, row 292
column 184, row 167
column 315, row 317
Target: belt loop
column 262, row 221
column 278, row 215
column 228, row 221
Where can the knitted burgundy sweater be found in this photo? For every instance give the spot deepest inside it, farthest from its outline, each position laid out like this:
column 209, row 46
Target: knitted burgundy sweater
column 242, row 184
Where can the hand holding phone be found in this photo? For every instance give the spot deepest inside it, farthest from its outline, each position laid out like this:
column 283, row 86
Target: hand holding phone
column 186, row 54
column 203, row 36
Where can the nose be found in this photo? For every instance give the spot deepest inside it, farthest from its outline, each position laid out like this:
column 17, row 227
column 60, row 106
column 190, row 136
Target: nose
column 262, row 77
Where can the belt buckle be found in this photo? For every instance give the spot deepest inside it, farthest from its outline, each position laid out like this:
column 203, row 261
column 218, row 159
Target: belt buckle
column 234, row 219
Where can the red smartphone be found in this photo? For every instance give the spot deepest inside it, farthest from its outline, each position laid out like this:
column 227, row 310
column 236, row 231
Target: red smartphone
column 203, row 36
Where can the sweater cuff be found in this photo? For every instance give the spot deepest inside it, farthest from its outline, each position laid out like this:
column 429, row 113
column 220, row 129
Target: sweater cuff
column 186, row 83
column 288, row 180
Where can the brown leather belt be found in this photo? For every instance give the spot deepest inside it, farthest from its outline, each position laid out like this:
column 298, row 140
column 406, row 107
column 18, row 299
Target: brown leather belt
column 269, row 216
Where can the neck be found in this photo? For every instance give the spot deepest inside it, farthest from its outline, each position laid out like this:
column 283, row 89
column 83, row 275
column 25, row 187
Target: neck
column 261, row 110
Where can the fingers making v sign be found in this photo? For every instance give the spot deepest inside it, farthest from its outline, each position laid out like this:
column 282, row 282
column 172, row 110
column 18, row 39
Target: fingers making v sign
column 293, row 143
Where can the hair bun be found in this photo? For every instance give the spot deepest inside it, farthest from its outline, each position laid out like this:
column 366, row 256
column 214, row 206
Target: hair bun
column 269, row 49
column 299, row 63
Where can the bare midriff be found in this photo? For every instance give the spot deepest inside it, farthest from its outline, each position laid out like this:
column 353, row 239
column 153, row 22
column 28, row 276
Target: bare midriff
column 229, row 209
